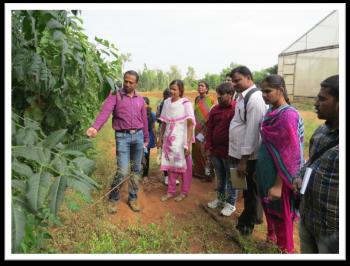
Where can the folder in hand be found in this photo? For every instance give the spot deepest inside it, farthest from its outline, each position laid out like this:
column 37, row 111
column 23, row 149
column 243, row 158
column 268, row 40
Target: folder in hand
column 237, row 182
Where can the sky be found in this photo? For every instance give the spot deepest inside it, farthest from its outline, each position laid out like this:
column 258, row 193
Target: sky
column 207, row 37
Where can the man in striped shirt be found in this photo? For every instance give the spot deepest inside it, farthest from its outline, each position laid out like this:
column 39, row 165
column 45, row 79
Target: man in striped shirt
column 319, row 209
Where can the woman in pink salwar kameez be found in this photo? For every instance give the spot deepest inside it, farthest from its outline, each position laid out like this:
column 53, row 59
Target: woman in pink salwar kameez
column 176, row 137
column 280, row 158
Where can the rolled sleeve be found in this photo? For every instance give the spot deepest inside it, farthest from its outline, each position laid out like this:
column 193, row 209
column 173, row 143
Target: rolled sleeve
column 107, row 109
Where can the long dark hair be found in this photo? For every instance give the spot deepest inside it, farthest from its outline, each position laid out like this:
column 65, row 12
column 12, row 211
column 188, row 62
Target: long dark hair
column 180, row 84
column 277, row 82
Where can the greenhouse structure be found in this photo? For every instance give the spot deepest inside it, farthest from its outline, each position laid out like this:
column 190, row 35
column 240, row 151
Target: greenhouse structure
column 311, row 58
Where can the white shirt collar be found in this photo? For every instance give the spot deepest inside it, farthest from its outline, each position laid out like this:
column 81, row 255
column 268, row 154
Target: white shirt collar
column 246, row 91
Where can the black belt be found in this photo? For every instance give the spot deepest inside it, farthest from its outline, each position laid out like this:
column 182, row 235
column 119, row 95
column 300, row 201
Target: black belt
column 130, row 131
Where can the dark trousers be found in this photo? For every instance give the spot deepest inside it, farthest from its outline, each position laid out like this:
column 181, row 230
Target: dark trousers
column 253, row 211
column 146, row 163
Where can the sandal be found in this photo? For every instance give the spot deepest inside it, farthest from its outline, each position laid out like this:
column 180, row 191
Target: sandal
column 180, row 197
column 166, row 197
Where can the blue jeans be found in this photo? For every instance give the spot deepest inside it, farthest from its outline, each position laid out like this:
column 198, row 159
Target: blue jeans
column 222, row 169
column 311, row 243
column 129, row 151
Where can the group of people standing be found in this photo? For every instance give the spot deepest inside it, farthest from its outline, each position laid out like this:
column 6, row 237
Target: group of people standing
column 254, row 130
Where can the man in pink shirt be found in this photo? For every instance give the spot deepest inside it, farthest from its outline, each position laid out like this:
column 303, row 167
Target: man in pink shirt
column 131, row 134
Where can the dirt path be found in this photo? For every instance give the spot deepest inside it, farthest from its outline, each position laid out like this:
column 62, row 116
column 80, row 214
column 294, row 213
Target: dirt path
column 191, row 210
column 187, row 214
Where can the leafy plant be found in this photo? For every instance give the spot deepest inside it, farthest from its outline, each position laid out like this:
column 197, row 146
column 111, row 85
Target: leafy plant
column 43, row 167
column 58, row 76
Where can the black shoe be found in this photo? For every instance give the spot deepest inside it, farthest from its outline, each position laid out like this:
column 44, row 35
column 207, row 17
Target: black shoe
column 244, row 230
column 114, row 195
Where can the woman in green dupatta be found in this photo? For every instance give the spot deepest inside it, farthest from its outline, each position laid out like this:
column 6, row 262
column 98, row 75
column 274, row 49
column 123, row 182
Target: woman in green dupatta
column 202, row 167
column 280, row 158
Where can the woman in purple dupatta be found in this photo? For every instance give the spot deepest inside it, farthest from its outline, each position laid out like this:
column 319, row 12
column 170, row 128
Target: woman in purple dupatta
column 280, row 158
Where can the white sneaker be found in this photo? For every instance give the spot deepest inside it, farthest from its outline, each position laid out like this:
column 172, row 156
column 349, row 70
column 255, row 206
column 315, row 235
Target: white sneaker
column 214, row 204
column 228, row 209
column 177, row 182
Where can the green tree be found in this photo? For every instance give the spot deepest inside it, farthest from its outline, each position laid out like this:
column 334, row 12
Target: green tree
column 148, row 80
column 190, row 81
column 58, row 77
column 213, row 80
column 227, row 70
column 162, row 80
column 174, row 73
column 58, row 81
column 258, row 76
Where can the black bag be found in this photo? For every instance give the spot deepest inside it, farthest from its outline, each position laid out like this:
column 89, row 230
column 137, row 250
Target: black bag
column 246, row 99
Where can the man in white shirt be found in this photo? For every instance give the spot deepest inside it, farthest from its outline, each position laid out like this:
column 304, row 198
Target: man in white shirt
column 244, row 142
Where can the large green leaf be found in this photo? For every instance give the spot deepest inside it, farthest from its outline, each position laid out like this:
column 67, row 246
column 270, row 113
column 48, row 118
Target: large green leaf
column 54, row 138
column 18, row 226
column 35, row 64
column 85, row 164
column 79, row 145
column 31, row 153
column 13, row 129
column 22, row 169
column 111, row 83
column 70, row 152
column 85, row 178
column 80, row 186
column 20, row 185
column 26, row 136
column 56, row 193
column 59, row 36
column 54, row 24
column 31, row 124
column 59, row 164
column 38, row 187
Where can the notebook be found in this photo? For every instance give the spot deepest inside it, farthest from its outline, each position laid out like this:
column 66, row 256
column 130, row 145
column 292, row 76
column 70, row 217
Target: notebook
column 237, row 182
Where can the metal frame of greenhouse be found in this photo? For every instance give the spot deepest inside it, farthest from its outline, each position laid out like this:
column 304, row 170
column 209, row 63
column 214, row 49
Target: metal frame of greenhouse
column 311, row 58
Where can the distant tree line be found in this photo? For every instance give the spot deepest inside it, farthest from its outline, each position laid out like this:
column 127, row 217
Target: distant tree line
column 157, row 80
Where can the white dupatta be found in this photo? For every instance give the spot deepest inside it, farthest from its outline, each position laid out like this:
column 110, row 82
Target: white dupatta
column 175, row 115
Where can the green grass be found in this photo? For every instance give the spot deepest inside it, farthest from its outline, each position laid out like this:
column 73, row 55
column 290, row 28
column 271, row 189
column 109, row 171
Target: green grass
column 153, row 102
column 93, row 234
column 309, row 128
column 304, row 106
column 310, row 125
column 251, row 245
